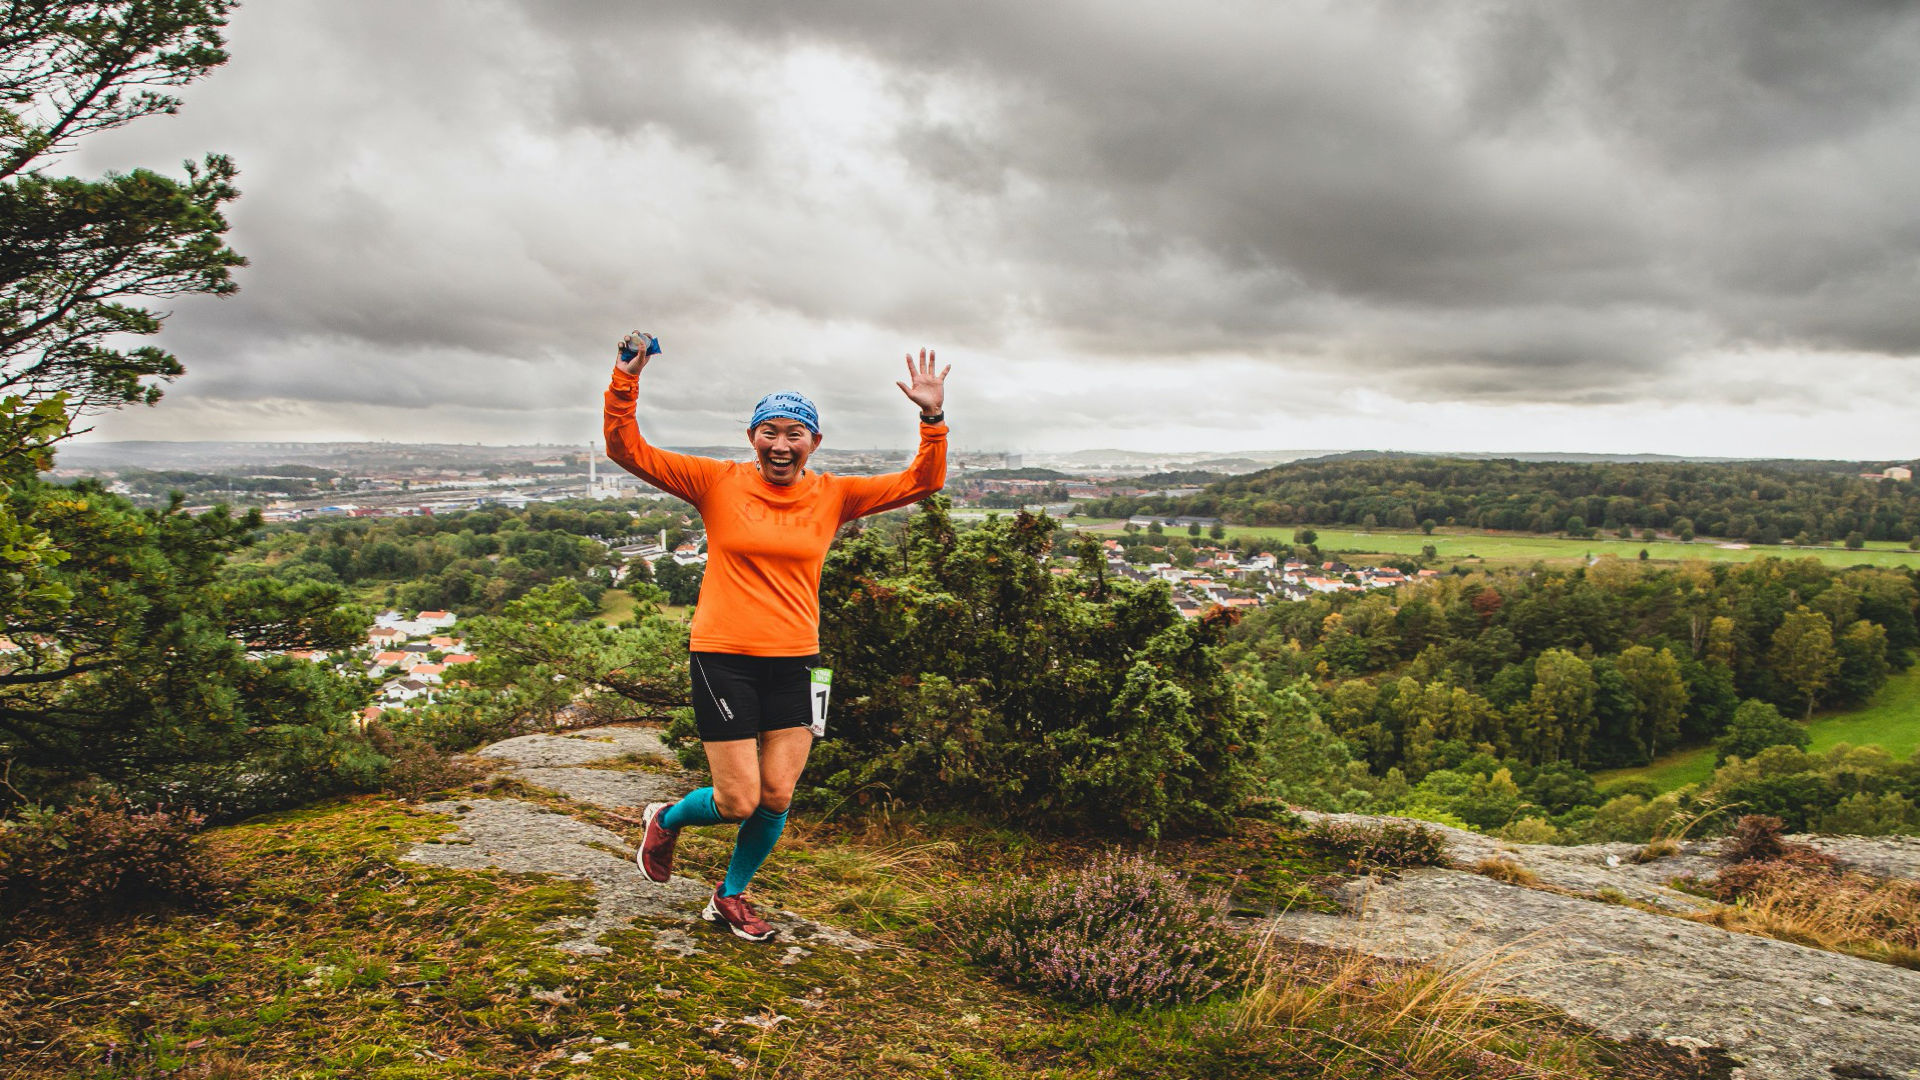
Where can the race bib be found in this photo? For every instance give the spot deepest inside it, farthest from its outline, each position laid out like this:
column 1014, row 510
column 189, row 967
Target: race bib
column 819, row 691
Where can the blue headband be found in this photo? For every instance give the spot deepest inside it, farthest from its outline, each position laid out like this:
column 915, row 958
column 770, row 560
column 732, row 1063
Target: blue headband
column 786, row 405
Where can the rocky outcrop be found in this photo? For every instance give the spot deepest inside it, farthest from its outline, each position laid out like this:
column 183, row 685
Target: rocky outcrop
column 517, row 836
column 1782, row 1010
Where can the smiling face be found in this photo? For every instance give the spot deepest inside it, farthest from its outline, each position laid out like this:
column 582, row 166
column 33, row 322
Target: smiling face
column 781, row 448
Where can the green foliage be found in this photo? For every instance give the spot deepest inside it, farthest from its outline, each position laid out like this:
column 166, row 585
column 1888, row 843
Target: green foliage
column 1121, row 932
column 27, row 553
column 160, row 674
column 1604, row 666
column 545, row 660
column 1301, row 762
column 474, row 562
column 1803, row 656
column 1863, row 669
column 1634, row 817
column 100, row 856
column 1482, row 801
column 74, row 252
column 1802, row 788
column 1757, row 725
column 681, row 582
column 1758, row 503
column 1864, row 814
column 967, row 674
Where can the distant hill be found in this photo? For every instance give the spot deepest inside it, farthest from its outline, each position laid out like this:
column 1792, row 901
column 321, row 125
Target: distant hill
column 1762, row 503
column 1028, row 473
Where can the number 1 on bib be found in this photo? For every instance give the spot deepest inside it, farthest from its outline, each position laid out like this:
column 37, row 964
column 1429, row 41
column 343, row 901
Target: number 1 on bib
column 820, row 690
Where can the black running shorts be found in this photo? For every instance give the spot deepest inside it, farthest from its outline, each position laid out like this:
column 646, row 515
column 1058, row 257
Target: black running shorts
column 738, row 697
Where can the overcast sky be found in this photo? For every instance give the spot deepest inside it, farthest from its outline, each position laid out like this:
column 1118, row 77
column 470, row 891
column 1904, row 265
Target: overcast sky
column 1630, row 226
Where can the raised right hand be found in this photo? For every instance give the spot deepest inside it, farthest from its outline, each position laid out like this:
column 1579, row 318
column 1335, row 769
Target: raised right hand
column 634, row 365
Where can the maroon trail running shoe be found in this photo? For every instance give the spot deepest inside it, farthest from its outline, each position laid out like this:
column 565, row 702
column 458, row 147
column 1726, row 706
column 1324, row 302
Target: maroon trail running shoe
column 739, row 917
column 656, row 846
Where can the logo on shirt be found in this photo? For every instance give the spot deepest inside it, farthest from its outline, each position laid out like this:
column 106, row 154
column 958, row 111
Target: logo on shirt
column 754, row 512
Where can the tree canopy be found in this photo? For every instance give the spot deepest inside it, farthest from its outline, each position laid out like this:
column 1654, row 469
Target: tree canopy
column 78, row 257
column 1754, row 502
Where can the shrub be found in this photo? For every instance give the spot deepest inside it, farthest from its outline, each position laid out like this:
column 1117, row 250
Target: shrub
column 101, row 856
column 1630, row 817
column 1367, row 844
column 1754, row 837
column 1861, row 814
column 1757, row 725
column 970, row 676
column 1530, row 830
column 1121, row 932
column 415, row 767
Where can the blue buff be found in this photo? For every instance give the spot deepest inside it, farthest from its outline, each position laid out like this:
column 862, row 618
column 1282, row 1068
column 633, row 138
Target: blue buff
column 757, row 836
column 696, row 809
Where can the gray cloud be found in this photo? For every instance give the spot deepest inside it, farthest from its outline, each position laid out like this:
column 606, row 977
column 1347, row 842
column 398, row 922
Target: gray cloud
column 1495, row 203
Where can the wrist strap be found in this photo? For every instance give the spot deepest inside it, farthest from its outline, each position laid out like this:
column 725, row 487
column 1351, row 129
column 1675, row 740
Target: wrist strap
column 935, row 418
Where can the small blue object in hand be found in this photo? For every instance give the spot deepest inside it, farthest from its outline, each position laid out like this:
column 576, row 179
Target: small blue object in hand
column 636, row 343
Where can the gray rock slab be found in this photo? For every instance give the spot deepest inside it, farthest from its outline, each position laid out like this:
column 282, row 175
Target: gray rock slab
column 611, row 788
column 516, row 836
column 1590, row 868
column 583, row 747
column 1882, row 856
column 1784, row 1010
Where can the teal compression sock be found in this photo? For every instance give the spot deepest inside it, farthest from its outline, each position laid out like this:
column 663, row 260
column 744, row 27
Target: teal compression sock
column 696, row 809
column 757, row 836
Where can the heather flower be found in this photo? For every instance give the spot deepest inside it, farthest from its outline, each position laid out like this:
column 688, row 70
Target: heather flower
column 1121, row 932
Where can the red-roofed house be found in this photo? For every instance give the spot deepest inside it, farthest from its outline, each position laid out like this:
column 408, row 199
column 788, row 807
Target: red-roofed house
column 386, row 660
column 451, row 659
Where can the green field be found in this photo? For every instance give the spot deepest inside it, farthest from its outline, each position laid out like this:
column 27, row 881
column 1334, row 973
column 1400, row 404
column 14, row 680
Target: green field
column 1676, row 770
column 617, row 604
column 1476, row 548
column 1892, row 723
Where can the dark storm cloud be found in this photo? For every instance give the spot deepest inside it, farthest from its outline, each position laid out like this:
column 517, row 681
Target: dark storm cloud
column 1384, row 161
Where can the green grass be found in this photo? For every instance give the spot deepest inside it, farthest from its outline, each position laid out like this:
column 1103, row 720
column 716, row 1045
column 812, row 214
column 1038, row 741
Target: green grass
column 1891, row 722
column 1469, row 547
column 616, row 605
column 1668, row 773
column 336, row 960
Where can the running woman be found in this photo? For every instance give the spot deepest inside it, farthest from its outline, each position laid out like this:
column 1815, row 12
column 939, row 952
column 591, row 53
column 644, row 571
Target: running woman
column 756, row 629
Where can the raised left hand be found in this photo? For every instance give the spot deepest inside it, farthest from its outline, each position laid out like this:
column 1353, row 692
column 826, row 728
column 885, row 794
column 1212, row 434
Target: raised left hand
column 926, row 389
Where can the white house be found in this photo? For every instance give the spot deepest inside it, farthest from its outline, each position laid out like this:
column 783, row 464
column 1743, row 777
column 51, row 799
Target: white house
column 400, row 690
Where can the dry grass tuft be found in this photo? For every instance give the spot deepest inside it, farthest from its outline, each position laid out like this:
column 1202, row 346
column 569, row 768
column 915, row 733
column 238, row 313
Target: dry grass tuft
column 1815, row 904
column 1503, row 869
column 1348, row 1009
column 1659, row 848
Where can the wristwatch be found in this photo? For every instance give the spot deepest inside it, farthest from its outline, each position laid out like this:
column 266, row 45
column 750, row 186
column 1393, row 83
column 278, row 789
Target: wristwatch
column 935, row 418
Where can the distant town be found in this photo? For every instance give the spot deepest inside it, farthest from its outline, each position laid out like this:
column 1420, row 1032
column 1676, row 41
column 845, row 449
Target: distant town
column 296, row 481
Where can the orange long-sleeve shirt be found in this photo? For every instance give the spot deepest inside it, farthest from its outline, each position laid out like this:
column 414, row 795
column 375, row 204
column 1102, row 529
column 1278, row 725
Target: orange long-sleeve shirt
column 766, row 543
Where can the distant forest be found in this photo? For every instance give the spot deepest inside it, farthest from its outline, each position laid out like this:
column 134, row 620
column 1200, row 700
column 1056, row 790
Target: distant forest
column 1600, row 667
column 1756, row 503
column 474, row 563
